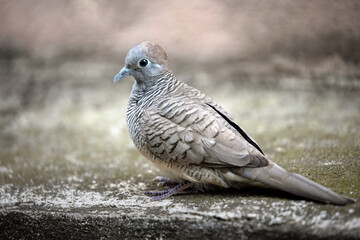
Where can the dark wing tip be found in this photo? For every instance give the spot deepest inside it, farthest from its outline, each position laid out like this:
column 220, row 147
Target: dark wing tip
column 242, row 132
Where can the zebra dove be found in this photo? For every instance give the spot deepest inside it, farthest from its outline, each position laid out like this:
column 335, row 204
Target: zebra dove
column 192, row 140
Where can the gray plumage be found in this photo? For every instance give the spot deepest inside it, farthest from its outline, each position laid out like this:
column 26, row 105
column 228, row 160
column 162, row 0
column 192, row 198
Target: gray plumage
column 191, row 138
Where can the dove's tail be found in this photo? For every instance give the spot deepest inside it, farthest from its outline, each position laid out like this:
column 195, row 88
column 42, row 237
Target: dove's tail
column 277, row 177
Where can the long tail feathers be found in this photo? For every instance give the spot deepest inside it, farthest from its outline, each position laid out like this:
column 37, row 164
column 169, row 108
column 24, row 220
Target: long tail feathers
column 277, row 177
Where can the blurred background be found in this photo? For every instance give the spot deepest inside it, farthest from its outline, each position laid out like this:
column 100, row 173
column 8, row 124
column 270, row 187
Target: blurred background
column 287, row 71
column 240, row 41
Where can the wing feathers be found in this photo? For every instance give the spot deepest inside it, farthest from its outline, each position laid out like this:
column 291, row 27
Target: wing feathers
column 196, row 133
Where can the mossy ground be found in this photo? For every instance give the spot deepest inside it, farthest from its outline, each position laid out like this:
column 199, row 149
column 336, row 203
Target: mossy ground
column 65, row 143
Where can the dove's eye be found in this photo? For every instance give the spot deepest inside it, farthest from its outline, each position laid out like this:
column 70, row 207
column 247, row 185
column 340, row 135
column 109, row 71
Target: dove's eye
column 143, row 62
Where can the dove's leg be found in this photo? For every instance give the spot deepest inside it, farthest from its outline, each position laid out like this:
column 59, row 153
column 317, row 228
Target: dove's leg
column 158, row 193
column 178, row 189
column 164, row 181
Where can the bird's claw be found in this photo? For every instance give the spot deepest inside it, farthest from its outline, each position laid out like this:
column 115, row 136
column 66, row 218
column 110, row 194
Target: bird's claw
column 181, row 188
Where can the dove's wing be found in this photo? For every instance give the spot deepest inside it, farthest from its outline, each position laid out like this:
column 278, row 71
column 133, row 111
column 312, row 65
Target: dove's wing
column 190, row 131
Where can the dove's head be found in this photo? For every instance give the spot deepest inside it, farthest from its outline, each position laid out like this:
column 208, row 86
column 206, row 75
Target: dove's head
column 144, row 62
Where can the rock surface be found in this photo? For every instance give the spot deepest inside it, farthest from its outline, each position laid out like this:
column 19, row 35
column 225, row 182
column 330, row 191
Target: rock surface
column 69, row 170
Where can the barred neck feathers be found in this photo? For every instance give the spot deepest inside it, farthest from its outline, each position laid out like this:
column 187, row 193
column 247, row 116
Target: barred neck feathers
column 143, row 97
column 164, row 83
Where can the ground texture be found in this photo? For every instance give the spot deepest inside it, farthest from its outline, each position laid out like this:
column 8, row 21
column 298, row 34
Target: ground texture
column 69, row 170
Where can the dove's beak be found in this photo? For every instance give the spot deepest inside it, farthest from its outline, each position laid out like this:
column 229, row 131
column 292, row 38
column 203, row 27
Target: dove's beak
column 123, row 73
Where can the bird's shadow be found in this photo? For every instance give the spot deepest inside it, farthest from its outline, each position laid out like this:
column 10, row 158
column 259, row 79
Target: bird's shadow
column 249, row 191
column 253, row 191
